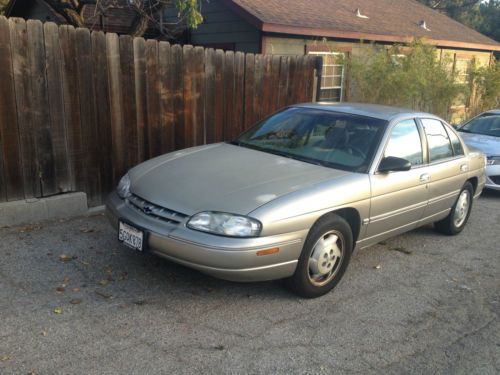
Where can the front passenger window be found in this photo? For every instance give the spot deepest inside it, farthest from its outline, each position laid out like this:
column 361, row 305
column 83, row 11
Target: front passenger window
column 405, row 143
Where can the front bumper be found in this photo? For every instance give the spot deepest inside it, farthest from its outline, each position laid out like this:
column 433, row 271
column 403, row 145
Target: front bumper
column 492, row 171
column 227, row 258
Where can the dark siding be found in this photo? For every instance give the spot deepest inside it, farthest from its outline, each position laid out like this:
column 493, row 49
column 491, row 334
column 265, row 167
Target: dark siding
column 222, row 26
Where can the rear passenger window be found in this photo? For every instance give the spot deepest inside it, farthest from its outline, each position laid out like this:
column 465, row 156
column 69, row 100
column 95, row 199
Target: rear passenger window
column 405, row 143
column 455, row 143
column 437, row 139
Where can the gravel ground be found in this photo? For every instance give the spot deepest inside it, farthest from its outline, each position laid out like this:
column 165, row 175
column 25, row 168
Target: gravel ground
column 72, row 301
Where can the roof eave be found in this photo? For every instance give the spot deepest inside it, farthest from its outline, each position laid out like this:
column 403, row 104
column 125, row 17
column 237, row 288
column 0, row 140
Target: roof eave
column 318, row 32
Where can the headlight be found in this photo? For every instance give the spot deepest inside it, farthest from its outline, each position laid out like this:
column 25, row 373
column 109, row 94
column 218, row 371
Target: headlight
column 123, row 188
column 493, row 160
column 225, row 224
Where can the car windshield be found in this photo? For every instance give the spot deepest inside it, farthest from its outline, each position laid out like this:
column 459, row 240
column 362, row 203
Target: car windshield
column 487, row 124
column 322, row 137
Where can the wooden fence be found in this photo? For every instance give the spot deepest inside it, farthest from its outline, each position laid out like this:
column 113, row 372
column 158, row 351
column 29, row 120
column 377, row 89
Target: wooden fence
column 78, row 108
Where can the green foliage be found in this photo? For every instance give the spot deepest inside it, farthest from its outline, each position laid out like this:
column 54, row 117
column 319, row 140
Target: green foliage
column 408, row 76
column 485, row 93
column 191, row 9
column 3, row 5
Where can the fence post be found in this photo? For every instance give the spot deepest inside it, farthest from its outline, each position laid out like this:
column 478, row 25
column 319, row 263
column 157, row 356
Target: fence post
column 318, row 72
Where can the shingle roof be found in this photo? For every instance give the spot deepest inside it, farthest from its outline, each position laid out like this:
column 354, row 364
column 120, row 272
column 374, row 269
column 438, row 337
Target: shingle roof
column 389, row 20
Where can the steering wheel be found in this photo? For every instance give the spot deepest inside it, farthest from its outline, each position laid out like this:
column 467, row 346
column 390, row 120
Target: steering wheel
column 353, row 150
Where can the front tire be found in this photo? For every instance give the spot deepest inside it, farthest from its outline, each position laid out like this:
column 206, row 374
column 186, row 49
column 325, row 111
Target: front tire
column 455, row 222
column 324, row 258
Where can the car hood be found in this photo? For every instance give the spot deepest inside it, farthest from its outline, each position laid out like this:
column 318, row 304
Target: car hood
column 222, row 177
column 486, row 143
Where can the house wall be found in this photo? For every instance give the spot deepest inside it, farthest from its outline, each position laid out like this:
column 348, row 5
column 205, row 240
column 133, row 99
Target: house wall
column 222, row 26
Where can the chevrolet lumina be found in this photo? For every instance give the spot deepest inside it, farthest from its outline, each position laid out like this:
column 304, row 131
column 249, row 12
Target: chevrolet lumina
column 295, row 195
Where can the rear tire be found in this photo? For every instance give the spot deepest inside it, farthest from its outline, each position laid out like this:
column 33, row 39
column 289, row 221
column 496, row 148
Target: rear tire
column 455, row 222
column 324, row 258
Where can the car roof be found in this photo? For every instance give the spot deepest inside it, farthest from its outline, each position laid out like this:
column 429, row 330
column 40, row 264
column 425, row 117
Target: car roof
column 370, row 110
column 491, row 111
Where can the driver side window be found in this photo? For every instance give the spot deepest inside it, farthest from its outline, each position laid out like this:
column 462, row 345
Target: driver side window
column 405, row 143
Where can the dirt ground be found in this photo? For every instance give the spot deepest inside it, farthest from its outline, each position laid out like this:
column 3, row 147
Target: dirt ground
column 73, row 301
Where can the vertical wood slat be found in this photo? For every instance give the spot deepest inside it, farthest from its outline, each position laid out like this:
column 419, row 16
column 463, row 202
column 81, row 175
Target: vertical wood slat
column 88, row 116
column 40, row 111
column 21, row 69
column 131, row 144
column 56, row 107
column 10, row 165
column 258, row 88
column 139, row 45
column 71, row 107
column 229, row 97
column 209, row 108
column 166, row 106
column 239, row 93
column 103, row 140
column 178, row 93
column 219, row 95
column 249, row 90
column 153, row 99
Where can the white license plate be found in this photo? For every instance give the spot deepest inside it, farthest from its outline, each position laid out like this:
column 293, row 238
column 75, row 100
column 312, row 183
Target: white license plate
column 130, row 236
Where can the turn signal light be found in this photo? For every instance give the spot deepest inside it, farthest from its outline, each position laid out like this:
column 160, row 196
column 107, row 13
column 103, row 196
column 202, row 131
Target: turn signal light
column 274, row 250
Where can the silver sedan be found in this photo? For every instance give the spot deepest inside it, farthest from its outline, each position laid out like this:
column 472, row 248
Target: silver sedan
column 483, row 133
column 294, row 196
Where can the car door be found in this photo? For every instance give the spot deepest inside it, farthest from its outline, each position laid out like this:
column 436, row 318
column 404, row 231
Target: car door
column 447, row 168
column 399, row 198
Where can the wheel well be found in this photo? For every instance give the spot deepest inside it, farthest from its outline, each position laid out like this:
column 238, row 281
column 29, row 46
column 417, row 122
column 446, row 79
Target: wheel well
column 352, row 217
column 474, row 182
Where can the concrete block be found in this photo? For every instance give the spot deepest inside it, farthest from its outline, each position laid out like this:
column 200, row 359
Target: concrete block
column 36, row 210
column 66, row 205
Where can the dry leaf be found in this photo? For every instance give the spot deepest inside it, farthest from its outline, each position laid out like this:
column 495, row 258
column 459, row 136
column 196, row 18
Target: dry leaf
column 66, row 280
column 86, row 230
column 75, row 290
column 65, row 258
column 58, row 310
column 377, row 267
column 5, row 358
column 84, row 263
column 104, row 282
column 75, row 301
column 104, row 295
column 45, row 333
column 60, row 289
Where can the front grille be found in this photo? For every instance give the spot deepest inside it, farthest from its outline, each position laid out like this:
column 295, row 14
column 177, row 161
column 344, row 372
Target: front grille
column 495, row 179
column 153, row 210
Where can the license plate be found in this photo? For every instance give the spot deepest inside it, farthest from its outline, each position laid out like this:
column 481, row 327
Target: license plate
column 130, row 236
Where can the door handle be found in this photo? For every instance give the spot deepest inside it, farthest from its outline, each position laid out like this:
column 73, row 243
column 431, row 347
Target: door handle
column 426, row 177
column 464, row 168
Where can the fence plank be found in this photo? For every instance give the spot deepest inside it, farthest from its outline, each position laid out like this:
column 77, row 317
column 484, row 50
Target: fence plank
column 56, row 107
column 115, row 98
column 229, row 97
column 178, row 92
column 153, row 99
column 199, row 97
column 139, row 45
column 267, row 86
column 275, row 82
column 167, row 132
column 219, row 95
column 209, row 108
column 40, row 110
column 9, row 137
column 88, row 116
column 258, row 88
column 71, row 107
column 186, row 135
column 20, row 62
column 239, row 95
column 283, row 82
column 249, row 89
column 103, row 128
column 128, row 99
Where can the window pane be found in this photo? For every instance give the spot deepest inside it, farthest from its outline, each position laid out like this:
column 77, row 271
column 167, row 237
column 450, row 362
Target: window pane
column 405, row 143
column 455, row 142
column 438, row 140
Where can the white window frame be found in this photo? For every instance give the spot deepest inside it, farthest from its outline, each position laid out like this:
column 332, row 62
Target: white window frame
column 341, row 76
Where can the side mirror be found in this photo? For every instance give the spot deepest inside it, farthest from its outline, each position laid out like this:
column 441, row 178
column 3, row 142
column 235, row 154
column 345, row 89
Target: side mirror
column 394, row 164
